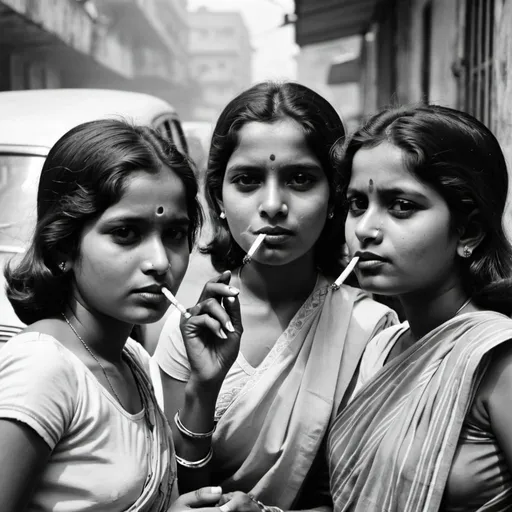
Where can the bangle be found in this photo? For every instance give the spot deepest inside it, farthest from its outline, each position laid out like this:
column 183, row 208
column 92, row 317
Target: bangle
column 188, row 433
column 196, row 463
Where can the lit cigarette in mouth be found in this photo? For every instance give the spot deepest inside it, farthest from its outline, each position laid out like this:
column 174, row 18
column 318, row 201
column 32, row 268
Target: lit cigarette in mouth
column 345, row 273
column 172, row 299
column 254, row 248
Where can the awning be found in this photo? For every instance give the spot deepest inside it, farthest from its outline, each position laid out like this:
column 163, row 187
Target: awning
column 344, row 72
column 323, row 20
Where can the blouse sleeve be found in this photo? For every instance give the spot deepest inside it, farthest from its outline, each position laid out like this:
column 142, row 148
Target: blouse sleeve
column 170, row 353
column 37, row 387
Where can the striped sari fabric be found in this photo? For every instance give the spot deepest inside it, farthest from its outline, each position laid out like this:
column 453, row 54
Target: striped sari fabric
column 392, row 447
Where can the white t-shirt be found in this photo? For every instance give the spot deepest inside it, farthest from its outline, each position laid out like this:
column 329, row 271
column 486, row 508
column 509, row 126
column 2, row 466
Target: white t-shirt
column 99, row 459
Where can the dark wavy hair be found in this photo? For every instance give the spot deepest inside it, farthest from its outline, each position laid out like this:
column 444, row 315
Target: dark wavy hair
column 269, row 102
column 86, row 172
column 461, row 159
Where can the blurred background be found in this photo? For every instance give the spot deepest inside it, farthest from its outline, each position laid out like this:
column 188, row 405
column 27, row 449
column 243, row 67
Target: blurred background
column 198, row 54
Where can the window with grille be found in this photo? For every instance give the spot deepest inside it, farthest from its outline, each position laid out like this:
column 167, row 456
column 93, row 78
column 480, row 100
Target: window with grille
column 479, row 59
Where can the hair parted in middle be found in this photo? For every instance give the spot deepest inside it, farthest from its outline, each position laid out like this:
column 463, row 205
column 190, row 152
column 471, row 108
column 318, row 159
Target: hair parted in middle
column 86, row 172
column 270, row 102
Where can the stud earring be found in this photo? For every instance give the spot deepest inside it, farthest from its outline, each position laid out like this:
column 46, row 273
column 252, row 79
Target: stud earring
column 466, row 252
column 62, row 266
column 222, row 215
column 330, row 215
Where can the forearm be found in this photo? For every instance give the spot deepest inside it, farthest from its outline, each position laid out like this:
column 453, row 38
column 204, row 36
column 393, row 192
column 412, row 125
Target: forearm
column 197, row 416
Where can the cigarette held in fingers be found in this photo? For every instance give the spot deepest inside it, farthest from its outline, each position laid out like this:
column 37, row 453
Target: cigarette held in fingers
column 345, row 273
column 254, row 248
column 172, row 299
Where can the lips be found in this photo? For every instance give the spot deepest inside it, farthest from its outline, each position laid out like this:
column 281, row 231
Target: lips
column 154, row 289
column 274, row 231
column 369, row 256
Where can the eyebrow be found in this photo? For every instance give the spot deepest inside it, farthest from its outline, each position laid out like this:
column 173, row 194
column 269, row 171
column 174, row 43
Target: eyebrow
column 391, row 191
column 305, row 166
column 130, row 217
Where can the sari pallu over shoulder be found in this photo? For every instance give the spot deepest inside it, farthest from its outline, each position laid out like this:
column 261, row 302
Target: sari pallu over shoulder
column 392, row 448
column 267, row 438
column 160, row 488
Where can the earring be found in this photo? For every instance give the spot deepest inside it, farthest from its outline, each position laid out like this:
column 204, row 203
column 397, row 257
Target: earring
column 222, row 215
column 62, row 266
column 330, row 215
column 466, row 252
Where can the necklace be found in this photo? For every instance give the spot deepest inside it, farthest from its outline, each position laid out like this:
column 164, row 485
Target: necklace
column 463, row 306
column 93, row 356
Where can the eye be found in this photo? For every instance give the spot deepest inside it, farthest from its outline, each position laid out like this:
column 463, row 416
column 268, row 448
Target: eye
column 403, row 208
column 246, row 181
column 125, row 235
column 176, row 234
column 302, row 181
column 357, row 205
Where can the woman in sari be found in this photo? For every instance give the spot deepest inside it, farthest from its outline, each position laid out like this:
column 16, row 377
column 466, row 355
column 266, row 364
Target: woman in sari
column 253, row 418
column 80, row 428
column 428, row 425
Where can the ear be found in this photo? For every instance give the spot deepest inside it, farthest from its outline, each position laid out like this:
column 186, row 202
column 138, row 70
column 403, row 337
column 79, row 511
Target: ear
column 220, row 203
column 471, row 236
column 63, row 262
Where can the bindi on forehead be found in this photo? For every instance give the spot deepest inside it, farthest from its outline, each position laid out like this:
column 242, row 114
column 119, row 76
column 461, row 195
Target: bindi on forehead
column 272, row 156
column 160, row 210
column 370, row 186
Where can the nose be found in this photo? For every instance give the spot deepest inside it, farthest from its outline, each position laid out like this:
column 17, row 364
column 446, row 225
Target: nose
column 273, row 201
column 368, row 228
column 156, row 258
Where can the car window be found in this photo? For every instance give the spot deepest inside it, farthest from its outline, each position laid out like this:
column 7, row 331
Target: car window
column 19, row 179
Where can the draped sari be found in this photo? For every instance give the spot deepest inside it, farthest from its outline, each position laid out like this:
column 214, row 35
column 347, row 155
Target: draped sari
column 160, row 488
column 392, row 447
column 271, row 430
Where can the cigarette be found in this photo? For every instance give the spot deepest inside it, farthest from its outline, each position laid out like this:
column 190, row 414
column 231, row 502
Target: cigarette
column 345, row 273
column 254, row 248
column 172, row 299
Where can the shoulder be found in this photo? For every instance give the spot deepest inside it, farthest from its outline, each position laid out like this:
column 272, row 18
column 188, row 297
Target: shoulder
column 40, row 355
column 38, row 384
column 370, row 314
column 139, row 353
column 496, row 384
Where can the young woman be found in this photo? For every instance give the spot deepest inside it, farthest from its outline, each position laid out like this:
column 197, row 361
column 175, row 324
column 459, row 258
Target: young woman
column 270, row 401
column 429, row 425
column 80, row 429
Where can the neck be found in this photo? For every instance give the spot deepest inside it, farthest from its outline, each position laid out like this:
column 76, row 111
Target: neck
column 425, row 312
column 104, row 336
column 280, row 283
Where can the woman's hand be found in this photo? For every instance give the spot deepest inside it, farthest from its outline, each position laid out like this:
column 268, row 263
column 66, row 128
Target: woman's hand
column 212, row 335
column 201, row 500
column 238, row 502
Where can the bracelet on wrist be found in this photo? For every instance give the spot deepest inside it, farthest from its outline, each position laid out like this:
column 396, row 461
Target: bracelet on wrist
column 196, row 464
column 188, row 433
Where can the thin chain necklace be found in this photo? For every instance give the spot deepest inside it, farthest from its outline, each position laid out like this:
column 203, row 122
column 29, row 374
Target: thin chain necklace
column 93, row 356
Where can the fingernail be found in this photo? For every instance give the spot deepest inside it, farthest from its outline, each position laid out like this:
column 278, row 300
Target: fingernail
column 224, row 508
column 216, row 490
column 230, row 299
column 229, row 327
column 222, row 335
column 232, row 289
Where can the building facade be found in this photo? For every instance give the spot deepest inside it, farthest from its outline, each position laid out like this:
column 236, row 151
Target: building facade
column 128, row 44
column 456, row 53
column 220, row 59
